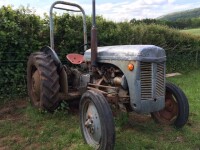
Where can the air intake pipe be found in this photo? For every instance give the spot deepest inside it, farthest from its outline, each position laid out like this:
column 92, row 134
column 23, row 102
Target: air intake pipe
column 93, row 39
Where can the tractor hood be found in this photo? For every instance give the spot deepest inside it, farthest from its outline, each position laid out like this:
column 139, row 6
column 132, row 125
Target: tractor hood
column 128, row 52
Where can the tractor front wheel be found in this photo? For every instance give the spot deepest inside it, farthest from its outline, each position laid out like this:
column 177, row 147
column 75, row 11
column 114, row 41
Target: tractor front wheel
column 176, row 109
column 97, row 124
column 43, row 81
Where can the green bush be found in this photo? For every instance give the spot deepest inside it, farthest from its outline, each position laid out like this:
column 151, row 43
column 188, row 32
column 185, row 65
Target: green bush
column 20, row 34
column 181, row 49
column 23, row 32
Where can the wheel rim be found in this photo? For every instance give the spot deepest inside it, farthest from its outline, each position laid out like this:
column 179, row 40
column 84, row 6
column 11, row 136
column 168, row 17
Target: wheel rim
column 91, row 124
column 35, row 86
column 169, row 114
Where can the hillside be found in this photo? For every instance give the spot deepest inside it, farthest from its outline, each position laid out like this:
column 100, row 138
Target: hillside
column 192, row 13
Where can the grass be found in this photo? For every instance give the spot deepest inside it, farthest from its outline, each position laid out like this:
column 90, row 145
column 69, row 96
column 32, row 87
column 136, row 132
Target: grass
column 36, row 130
column 195, row 31
column 28, row 128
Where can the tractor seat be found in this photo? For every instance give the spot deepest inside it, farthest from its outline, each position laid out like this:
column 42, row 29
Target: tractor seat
column 75, row 58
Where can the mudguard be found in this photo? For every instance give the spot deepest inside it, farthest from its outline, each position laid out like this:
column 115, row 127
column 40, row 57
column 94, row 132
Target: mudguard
column 54, row 56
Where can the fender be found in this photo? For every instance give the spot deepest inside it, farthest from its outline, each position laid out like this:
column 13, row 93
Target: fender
column 54, row 56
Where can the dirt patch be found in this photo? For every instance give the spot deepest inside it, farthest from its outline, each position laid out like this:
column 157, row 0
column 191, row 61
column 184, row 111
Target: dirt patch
column 4, row 147
column 33, row 146
column 138, row 118
column 10, row 110
column 10, row 140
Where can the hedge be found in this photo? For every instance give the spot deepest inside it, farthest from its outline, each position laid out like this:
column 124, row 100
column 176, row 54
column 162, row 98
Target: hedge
column 23, row 32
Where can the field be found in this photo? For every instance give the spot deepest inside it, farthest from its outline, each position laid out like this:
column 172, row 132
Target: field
column 23, row 127
column 195, row 31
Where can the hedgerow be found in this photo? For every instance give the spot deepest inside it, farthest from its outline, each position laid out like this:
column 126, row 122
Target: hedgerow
column 23, row 32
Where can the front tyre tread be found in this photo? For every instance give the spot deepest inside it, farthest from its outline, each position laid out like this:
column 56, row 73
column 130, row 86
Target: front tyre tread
column 106, row 118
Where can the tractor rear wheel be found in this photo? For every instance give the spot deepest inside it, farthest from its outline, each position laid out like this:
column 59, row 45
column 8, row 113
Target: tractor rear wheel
column 176, row 109
column 97, row 123
column 43, row 82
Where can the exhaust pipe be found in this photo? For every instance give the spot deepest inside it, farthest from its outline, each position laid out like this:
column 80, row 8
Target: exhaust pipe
column 93, row 38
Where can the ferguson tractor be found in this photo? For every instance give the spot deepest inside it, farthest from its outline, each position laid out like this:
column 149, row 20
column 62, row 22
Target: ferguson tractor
column 128, row 76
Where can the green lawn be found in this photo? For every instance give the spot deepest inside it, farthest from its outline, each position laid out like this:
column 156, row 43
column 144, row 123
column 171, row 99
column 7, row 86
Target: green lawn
column 27, row 128
column 195, row 31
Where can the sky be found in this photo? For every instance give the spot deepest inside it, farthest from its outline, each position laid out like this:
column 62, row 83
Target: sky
column 115, row 10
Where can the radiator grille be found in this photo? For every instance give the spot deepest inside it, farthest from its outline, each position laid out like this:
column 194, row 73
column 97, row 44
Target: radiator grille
column 160, row 81
column 146, row 80
column 147, row 84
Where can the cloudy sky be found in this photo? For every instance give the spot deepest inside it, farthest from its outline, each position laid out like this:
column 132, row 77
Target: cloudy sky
column 116, row 10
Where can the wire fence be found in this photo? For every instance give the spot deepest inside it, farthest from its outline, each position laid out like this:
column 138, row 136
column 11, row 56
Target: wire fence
column 13, row 71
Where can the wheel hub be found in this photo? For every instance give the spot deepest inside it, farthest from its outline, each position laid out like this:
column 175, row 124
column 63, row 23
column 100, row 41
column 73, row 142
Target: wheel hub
column 92, row 123
column 89, row 124
column 169, row 105
column 36, row 82
column 36, row 86
column 170, row 112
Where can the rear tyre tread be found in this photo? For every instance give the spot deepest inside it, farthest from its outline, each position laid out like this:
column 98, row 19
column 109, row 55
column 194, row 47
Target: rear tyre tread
column 183, row 113
column 183, row 107
column 49, row 80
